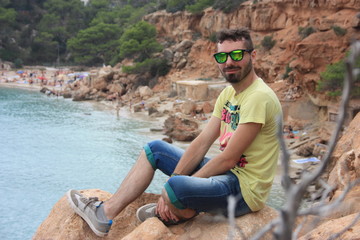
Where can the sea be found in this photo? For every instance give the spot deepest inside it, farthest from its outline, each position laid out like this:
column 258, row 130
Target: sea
column 49, row 145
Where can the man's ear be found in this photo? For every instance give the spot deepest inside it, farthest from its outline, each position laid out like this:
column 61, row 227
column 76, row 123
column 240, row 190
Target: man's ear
column 253, row 55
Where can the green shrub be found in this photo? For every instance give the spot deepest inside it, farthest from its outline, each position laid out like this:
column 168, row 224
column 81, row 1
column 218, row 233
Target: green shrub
column 18, row 63
column 199, row 6
column 196, row 36
column 156, row 67
column 268, row 42
column 212, row 37
column 335, row 93
column 332, row 80
column 288, row 69
column 339, row 31
column 173, row 6
column 305, row 32
column 356, row 91
column 227, row 6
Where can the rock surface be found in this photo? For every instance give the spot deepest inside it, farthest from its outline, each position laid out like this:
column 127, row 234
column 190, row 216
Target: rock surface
column 346, row 156
column 181, row 128
column 63, row 223
column 333, row 227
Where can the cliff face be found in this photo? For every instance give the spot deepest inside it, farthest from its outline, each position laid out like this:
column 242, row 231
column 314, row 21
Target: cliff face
column 280, row 19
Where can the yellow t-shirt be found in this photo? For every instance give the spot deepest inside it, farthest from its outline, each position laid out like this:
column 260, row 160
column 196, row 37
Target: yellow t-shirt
column 256, row 167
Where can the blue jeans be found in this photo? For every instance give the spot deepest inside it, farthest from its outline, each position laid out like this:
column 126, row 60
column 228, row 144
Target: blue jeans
column 201, row 194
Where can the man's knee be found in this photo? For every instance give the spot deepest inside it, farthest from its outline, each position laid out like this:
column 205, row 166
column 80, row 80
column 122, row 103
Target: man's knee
column 169, row 193
column 150, row 148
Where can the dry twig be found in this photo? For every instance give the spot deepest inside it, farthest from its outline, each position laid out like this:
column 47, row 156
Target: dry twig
column 283, row 226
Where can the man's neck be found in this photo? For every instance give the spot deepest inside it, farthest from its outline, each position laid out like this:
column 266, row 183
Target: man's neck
column 245, row 83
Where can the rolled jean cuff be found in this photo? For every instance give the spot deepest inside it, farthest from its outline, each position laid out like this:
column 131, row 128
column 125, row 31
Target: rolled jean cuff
column 173, row 199
column 150, row 156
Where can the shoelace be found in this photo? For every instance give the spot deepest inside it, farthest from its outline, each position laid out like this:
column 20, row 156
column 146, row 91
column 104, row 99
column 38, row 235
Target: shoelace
column 88, row 201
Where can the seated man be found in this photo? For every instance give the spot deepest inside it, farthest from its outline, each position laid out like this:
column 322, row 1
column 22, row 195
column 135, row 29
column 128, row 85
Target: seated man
column 244, row 120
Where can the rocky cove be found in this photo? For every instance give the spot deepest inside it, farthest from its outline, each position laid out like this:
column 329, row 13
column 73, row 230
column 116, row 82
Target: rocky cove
column 181, row 109
column 180, row 118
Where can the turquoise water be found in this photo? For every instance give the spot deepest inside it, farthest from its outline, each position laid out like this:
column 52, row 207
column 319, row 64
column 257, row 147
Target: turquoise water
column 49, row 145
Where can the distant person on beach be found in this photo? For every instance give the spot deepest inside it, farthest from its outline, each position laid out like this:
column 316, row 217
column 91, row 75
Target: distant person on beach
column 245, row 120
column 118, row 104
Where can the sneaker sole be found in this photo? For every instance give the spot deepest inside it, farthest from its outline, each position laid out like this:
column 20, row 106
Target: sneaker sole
column 84, row 216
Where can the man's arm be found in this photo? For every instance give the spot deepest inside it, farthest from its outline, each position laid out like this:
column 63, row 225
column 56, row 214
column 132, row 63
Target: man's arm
column 239, row 142
column 193, row 155
column 196, row 151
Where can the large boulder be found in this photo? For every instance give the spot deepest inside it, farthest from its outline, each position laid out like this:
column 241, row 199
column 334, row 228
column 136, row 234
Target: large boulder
column 181, row 128
column 346, row 156
column 188, row 107
column 116, row 88
column 183, row 45
column 145, row 92
column 105, row 76
column 64, row 223
column 205, row 227
column 82, row 93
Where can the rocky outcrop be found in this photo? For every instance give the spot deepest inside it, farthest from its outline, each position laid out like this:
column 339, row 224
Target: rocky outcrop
column 332, row 227
column 181, row 128
column 343, row 169
column 346, row 156
column 307, row 56
column 63, row 223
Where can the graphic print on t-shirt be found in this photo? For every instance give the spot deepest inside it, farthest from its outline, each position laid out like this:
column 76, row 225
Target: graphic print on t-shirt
column 231, row 116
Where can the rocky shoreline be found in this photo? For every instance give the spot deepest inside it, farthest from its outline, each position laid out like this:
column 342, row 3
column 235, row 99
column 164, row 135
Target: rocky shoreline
column 172, row 116
column 175, row 119
column 63, row 223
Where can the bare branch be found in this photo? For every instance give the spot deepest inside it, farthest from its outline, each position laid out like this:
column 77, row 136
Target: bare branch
column 299, row 227
column 294, row 193
column 325, row 208
column 232, row 200
column 285, row 180
column 265, row 229
column 349, row 79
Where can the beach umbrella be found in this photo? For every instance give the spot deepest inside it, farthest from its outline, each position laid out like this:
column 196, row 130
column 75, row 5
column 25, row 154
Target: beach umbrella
column 20, row 71
column 42, row 78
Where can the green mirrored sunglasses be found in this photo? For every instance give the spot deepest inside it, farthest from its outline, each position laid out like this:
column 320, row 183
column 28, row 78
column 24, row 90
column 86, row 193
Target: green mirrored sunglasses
column 236, row 55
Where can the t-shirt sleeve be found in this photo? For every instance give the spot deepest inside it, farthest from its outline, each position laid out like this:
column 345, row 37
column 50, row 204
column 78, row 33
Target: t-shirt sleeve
column 254, row 108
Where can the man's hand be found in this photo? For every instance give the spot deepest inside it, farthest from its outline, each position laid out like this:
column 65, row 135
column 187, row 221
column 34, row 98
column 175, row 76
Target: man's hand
column 163, row 210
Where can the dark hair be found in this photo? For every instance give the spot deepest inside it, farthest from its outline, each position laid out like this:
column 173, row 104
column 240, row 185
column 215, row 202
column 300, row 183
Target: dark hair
column 240, row 34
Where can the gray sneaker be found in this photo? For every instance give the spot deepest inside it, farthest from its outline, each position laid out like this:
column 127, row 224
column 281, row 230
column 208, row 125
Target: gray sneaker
column 146, row 211
column 86, row 208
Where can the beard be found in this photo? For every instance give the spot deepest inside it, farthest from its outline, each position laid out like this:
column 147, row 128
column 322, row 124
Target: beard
column 239, row 76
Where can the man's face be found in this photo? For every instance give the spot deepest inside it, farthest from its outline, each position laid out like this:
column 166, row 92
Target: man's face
column 234, row 71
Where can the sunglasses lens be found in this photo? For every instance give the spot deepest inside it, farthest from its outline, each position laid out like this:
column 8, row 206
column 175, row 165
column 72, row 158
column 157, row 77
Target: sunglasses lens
column 220, row 57
column 236, row 55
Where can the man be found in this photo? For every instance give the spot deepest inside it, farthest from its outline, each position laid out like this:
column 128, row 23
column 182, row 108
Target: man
column 244, row 120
